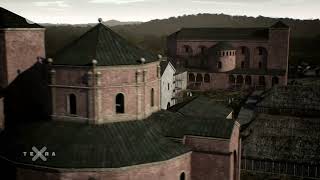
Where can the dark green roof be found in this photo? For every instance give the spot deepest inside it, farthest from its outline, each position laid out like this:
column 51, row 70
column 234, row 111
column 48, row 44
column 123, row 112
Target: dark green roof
column 9, row 19
column 273, row 72
column 199, row 116
column 306, row 98
column 222, row 46
column 87, row 146
column 104, row 45
column 223, row 34
column 280, row 24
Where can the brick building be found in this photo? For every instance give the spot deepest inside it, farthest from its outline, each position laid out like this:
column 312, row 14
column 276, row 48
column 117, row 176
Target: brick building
column 220, row 58
column 106, row 121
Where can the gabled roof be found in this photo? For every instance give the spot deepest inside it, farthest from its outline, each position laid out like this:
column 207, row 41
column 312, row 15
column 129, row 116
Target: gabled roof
column 164, row 64
column 104, row 45
column 223, row 34
column 9, row 19
column 280, row 24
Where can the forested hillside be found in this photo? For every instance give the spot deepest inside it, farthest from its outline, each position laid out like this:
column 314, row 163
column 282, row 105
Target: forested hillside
column 305, row 34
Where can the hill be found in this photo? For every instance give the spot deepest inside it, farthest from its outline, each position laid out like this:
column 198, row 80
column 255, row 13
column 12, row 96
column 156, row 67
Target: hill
column 305, row 34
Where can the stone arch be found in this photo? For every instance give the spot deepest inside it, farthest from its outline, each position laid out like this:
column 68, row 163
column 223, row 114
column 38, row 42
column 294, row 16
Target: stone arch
column 182, row 176
column 72, row 103
column 202, row 49
column 275, row 80
column 262, row 81
column 219, row 65
column 199, row 78
column 187, row 49
column 244, row 53
column 262, row 53
column 192, row 78
column 239, row 79
column 248, row 80
column 207, row 78
column 232, row 80
column 120, row 109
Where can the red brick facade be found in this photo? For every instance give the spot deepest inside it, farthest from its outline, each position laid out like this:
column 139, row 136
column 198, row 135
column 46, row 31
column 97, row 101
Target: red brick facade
column 96, row 94
column 172, row 169
column 265, row 58
column 19, row 49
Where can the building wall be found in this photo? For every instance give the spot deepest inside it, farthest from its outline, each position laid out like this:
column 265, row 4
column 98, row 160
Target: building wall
column 212, row 158
column 22, row 47
column 96, row 92
column 167, row 87
column 166, row 170
column 2, row 60
column 275, row 55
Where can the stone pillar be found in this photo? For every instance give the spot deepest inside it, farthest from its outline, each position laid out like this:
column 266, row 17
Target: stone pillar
column 90, row 104
column 53, row 90
column 139, row 80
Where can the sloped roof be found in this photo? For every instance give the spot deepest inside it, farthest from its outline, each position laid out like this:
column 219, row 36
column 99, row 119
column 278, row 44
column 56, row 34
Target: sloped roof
column 87, row 146
column 104, row 45
column 221, row 46
column 223, row 34
column 187, row 118
column 177, row 125
column 280, row 24
column 9, row 19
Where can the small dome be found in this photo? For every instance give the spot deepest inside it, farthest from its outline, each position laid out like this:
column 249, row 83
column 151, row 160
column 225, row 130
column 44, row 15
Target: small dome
column 223, row 46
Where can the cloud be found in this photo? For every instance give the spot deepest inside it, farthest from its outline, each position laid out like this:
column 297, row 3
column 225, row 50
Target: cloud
column 60, row 4
column 115, row 1
column 227, row 3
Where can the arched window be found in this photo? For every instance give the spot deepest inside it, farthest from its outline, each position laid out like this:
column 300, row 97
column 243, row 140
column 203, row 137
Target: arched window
column 219, row 65
column 239, row 79
column 152, row 97
column 231, row 79
column 72, row 104
column 182, row 176
column 120, row 103
column 260, row 65
column 242, row 64
column 223, row 53
column 168, row 105
column 207, row 78
column 275, row 81
column 199, row 78
column 192, row 77
column 248, row 80
column 202, row 49
column 262, row 81
column 187, row 49
column 168, row 86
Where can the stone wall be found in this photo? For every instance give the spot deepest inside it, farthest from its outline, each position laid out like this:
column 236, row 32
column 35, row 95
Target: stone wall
column 96, row 92
column 166, row 170
column 213, row 158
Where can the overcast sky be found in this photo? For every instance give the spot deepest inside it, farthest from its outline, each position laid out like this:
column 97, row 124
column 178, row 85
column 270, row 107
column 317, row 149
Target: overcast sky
column 85, row 11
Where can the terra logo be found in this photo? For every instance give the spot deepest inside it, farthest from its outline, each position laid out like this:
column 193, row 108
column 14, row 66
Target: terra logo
column 42, row 154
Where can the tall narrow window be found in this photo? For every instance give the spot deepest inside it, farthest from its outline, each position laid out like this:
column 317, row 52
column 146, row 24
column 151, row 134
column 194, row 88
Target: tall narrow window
column 219, row 65
column 182, row 176
column 72, row 104
column 152, row 97
column 242, row 64
column 120, row 103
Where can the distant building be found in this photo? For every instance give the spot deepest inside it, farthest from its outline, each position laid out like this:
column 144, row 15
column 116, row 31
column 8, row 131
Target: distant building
column 221, row 58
